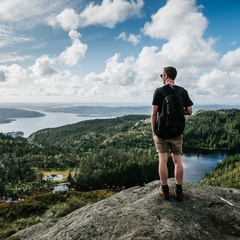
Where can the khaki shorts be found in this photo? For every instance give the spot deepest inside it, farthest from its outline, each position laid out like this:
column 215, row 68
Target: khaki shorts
column 165, row 145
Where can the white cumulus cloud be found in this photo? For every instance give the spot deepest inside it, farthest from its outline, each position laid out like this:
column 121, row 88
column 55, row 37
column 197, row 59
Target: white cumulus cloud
column 116, row 73
column 74, row 53
column 44, row 66
column 231, row 60
column 12, row 73
column 108, row 14
column 132, row 38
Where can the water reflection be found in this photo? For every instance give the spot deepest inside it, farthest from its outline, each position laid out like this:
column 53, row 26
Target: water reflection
column 196, row 165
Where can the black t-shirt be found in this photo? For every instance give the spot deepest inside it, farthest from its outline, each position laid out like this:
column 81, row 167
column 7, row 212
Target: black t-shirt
column 158, row 96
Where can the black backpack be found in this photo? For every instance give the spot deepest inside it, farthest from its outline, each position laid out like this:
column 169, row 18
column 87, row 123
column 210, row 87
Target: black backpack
column 171, row 120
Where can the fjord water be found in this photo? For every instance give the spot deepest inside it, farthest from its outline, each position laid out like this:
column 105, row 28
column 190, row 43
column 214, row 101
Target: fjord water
column 51, row 120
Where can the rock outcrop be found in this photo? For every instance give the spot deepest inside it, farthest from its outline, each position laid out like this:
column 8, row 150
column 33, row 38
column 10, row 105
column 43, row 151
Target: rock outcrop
column 139, row 213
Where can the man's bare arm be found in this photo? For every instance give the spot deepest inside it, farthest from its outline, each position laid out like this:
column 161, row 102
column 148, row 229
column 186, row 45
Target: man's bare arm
column 154, row 117
column 188, row 111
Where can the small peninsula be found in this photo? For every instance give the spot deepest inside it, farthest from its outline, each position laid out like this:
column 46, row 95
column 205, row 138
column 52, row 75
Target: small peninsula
column 8, row 115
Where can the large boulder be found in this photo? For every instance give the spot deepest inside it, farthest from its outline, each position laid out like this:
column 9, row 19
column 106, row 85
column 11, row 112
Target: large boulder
column 141, row 213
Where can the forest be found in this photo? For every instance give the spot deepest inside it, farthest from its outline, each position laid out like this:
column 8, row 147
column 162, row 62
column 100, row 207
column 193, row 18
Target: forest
column 106, row 153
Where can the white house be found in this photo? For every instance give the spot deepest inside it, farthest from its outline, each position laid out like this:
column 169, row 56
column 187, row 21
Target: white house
column 61, row 187
column 53, row 177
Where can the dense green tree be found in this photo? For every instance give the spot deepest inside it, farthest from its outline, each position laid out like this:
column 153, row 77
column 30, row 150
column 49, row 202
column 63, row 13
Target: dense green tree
column 116, row 152
column 225, row 173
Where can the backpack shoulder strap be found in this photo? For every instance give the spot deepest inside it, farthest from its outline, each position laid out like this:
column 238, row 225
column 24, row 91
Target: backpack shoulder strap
column 178, row 91
column 167, row 90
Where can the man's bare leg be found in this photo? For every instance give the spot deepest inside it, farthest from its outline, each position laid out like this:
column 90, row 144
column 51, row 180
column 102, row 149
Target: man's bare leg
column 178, row 171
column 163, row 174
column 162, row 169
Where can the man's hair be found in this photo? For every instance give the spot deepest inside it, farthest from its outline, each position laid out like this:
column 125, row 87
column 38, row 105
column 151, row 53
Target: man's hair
column 171, row 72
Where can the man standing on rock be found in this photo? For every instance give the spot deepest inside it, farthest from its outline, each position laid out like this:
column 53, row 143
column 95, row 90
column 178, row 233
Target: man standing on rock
column 162, row 141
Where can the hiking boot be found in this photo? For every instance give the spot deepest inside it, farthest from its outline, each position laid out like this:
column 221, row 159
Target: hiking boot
column 178, row 195
column 165, row 193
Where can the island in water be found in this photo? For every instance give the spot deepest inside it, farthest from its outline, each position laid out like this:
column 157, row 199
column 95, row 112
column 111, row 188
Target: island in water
column 7, row 115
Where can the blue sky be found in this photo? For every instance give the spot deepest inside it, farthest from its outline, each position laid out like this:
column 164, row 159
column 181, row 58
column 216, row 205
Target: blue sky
column 112, row 51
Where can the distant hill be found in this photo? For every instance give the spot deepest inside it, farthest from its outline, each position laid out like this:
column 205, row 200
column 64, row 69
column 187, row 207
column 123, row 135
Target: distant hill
column 103, row 111
column 9, row 114
column 205, row 130
column 213, row 130
column 225, row 174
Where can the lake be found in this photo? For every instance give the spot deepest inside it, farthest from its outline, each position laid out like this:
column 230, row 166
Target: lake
column 197, row 165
